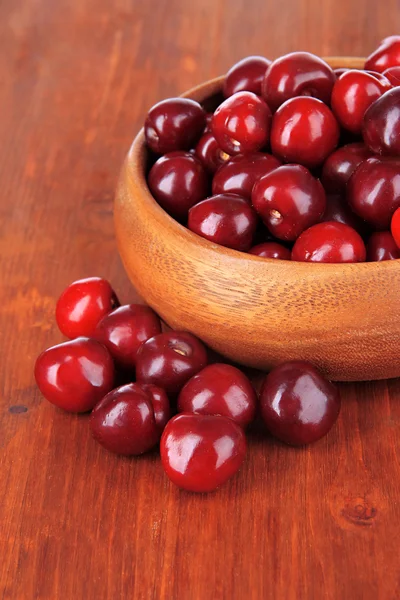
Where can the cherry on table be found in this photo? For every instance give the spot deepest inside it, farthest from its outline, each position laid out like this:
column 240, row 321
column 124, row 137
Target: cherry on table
column 271, row 250
column 381, row 126
column 241, row 172
column 385, row 56
column 209, row 153
column 75, row 375
column 201, row 452
column 395, row 226
column 381, row 246
column 160, row 402
column 341, row 164
column 329, row 242
column 246, row 76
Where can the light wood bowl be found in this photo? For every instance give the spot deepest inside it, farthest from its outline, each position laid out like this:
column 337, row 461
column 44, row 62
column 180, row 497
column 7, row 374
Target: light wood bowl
column 344, row 318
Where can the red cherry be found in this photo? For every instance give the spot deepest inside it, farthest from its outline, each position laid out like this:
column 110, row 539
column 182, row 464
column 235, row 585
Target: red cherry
column 271, row 250
column 299, row 406
column 393, row 75
column 219, row 389
column 329, row 242
column 160, row 402
column 341, row 164
column 373, row 191
column 178, row 181
column 352, row 94
column 225, row 219
column 304, row 131
column 289, row 200
column 381, row 246
column 395, row 227
column 170, row 359
column 337, row 209
column 174, row 124
column 241, row 123
column 382, row 79
column 123, row 421
column 75, row 375
column 239, row 175
column 246, row 76
column 297, row 74
column 381, row 128
column 199, row 453
column 125, row 329
column 209, row 153
column 387, row 55
column 339, row 72
column 82, row 304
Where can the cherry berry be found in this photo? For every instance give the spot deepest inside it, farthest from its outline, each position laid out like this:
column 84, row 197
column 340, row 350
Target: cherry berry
column 305, row 131
column 241, row 124
column 209, row 153
column 299, row 406
column 170, row 359
column 387, row 55
column 200, row 452
column 329, row 242
column 239, row 175
column 337, row 209
column 174, row 124
column 392, row 74
column 75, row 375
column 160, row 402
column 395, row 227
column 381, row 246
column 246, row 76
column 271, row 250
column 82, row 304
column 381, row 128
column 289, row 200
column 341, row 164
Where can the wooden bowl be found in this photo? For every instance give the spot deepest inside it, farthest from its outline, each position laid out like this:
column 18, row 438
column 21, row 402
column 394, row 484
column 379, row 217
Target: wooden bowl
column 345, row 318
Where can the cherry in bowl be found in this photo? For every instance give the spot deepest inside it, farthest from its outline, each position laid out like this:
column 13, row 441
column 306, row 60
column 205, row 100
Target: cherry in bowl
column 341, row 164
column 246, row 75
column 381, row 126
column 271, row 250
column 395, row 227
column 381, row 246
column 385, row 56
column 329, row 242
column 239, row 175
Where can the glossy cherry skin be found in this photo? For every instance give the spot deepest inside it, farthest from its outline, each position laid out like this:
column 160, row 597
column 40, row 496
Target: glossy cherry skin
column 298, row 405
column 82, row 304
column 246, row 76
column 225, row 219
column 125, row 329
column 178, row 181
column 304, row 131
column 241, row 124
column 174, row 124
column 169, row 360
column 271, row 250
column 395, row 227
column 220, row 389
column 393, row 75
column 123, row 421
column 75, row 375
column 201, row 452
column 387, row 55
column 381, row 128
column 209, row 153
column 373, row 191
column 239, row 175
column 297, row 74
column 289, row 200
column 341, row 164
column 381, row 246
column 329, row 242
column 352, row 94
column 160, row 402
column 337, row 209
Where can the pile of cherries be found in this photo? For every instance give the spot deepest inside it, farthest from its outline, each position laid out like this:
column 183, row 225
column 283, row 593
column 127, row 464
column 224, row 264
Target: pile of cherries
column 167, row 372
column 298, row 162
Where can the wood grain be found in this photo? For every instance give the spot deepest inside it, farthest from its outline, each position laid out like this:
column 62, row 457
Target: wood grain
column 320, row 523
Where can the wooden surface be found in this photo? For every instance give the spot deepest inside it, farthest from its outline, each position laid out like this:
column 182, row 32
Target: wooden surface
column 76, row 77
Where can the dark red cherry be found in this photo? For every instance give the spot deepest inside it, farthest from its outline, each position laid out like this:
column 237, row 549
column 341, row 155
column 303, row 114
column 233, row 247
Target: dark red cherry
column 123, row 421
column 169, row 360
column 381, row 128
column 75, row 375
column 239, row 175
column 160, row 402
column 125, row 329
column 393, row 75
column 246, row 76
column 82, row 304
column 219, row 389
column 200, row 452
column 381, row 246
column 271, row 250
column 341, row 164
column 289, row 200
column 373, row 191
column 305, row 131
column 241, row 124
column 339, row 72
column 395, row 227
column 210, row 154
column 225, row 219
column 174, row 124
column 387, row 55
column 337, row 209
column 299, row 406
column 297, row 74
column 352, row 94
column 329, row 242
column 178, row 181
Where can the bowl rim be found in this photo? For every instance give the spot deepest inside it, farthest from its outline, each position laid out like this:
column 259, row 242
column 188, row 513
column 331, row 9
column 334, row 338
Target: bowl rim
column 135, row 166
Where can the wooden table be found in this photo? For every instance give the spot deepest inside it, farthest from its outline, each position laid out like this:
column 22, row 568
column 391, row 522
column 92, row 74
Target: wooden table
column 77, row 77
